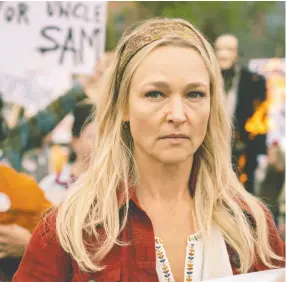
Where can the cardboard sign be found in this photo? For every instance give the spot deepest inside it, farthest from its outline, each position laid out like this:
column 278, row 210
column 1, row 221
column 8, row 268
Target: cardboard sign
column 62, row 35
column 35, row 88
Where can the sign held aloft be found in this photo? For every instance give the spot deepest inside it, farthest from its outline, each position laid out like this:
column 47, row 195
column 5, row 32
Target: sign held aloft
column 65, row 35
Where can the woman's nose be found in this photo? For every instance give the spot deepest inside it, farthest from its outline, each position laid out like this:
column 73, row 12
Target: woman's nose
column 176, row 111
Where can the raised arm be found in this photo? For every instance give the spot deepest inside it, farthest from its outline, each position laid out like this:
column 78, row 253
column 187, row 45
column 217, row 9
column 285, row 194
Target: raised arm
column 25, row 136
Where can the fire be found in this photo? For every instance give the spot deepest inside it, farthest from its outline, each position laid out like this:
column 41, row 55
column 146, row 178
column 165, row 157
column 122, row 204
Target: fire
column 258, row 124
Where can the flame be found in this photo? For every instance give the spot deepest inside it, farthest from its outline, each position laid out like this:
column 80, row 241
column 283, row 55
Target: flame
column 261, row 122
column 241, row 164
column 258, row 124
column 241, row 161
column 243, row 178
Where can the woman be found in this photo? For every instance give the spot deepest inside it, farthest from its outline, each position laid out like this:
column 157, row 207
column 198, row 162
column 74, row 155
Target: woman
column 159, row 201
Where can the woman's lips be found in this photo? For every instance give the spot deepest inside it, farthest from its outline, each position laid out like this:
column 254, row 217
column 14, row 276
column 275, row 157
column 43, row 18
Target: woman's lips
column 175, row 139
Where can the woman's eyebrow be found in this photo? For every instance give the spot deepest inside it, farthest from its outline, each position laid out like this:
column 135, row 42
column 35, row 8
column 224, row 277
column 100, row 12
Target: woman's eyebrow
column 156, row 83
column 165, row 84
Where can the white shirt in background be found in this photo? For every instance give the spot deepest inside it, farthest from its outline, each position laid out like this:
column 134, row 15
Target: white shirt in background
column 55, row 186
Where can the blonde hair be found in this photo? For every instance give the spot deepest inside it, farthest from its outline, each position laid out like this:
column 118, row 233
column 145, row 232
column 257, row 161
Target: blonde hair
column 93, row 201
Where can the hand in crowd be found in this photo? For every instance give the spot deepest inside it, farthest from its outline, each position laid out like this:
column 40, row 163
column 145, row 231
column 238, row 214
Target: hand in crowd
column 91, row 83
column 13, row 240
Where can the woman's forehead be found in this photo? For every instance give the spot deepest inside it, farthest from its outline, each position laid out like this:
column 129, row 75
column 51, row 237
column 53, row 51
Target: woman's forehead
column 168, row 62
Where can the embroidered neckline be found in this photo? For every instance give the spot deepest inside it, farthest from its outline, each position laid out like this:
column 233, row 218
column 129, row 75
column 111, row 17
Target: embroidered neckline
column 189, row 261
column 194, row 238
column 164, row 263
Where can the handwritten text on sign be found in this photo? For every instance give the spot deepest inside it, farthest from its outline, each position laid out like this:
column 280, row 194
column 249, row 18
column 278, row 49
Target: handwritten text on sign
column 68, row 35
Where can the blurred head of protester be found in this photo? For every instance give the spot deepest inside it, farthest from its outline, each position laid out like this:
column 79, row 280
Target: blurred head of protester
column 56, row 184
column 160, row 175
column 226, row 47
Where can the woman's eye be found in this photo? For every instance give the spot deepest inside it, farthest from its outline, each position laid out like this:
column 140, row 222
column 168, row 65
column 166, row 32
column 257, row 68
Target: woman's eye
column 195, row 95
column 155, row 94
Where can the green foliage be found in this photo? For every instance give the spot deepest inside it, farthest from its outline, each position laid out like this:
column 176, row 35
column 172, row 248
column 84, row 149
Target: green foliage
column 248, row 20
column 213, row 18
column 111, row 37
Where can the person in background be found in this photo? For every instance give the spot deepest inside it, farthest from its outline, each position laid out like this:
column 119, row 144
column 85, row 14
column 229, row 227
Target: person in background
column 22, row 203
column 272, row 184
column 245, row 91
column 55, row 185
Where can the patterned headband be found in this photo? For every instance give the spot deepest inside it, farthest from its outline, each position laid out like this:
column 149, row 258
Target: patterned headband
column 155, row 32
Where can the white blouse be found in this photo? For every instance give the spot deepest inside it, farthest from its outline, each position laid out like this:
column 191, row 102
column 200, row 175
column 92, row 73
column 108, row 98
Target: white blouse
column 201, row 261
column 193, row 260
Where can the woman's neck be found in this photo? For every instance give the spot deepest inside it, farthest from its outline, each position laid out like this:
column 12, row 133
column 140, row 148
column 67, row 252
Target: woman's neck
column 162, row 182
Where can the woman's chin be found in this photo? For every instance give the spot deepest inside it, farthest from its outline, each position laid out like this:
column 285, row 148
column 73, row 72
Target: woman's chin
column 173, row 158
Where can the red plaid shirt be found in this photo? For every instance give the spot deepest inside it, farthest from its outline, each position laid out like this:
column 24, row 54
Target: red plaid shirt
column 45, row 260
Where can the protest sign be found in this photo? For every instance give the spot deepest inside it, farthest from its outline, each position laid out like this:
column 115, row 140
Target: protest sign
column 62, row 35
column 33, row 89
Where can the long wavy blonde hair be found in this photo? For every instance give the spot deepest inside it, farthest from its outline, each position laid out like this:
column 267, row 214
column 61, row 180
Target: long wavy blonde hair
column 93, row 200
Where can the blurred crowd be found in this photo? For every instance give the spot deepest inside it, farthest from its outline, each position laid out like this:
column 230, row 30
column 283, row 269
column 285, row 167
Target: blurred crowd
column 37, row 169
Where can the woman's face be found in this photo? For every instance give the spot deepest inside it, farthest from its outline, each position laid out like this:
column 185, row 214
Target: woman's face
column 169, row 104
column 226, row 48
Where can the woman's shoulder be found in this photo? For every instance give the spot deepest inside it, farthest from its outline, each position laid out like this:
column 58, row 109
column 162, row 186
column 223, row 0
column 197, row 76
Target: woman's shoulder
column 45, row 234
column 44, row 248
column 47, row 225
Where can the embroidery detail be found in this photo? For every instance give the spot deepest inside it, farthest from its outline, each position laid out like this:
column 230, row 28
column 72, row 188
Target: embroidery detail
column 189, row 262
column 161, row 255
column 189, row 267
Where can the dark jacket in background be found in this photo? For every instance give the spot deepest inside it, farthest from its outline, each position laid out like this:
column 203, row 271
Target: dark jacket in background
column 251, row 93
